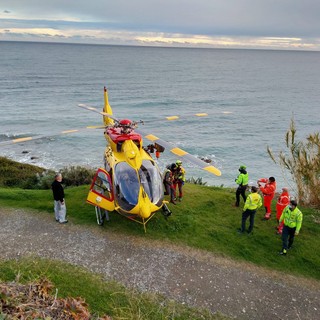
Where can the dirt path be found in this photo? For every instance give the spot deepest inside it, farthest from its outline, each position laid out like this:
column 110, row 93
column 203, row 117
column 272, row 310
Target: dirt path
column 189, row 276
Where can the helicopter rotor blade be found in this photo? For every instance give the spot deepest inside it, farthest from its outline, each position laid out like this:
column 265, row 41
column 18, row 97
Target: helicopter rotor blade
column 181, row 153
column 26, row 139
column 84, row 106
column 174, row 118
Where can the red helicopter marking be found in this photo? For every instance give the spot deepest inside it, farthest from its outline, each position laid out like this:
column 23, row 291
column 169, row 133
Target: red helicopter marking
column 117, row 135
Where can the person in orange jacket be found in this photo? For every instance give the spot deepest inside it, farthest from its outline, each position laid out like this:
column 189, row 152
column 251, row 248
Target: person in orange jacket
column 283, row 201
column 268, row 188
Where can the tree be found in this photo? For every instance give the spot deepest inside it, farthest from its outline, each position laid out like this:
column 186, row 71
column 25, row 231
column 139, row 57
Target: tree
column 303, row 163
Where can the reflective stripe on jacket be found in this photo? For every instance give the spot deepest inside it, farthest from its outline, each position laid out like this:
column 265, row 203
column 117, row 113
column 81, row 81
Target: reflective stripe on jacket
column 253, row 201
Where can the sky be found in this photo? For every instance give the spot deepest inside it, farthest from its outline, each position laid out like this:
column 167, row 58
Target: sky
column 255, row 24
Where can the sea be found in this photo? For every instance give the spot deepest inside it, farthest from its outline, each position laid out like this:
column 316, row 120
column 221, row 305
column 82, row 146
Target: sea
column 250, row 97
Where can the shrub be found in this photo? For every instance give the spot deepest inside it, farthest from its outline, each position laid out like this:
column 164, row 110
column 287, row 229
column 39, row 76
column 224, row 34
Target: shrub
column 27, row 176
column 77, row 176
column 303, row 163
column 15, row 174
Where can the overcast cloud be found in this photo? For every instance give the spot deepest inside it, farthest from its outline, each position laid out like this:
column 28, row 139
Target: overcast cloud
column 287, row 24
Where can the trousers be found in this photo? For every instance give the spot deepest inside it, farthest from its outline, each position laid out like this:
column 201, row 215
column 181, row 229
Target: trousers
column 287, row 237
column 60, row 211
column 245, row 215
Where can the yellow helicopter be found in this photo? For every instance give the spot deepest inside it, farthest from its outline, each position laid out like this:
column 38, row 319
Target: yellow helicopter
column 131, row 182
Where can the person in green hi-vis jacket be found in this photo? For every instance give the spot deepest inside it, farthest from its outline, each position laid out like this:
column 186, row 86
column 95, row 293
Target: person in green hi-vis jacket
column 292, row 218
column 242, row 180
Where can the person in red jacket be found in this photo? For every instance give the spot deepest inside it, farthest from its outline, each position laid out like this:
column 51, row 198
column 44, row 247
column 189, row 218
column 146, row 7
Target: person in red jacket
column 268, row 188
column 283, row 201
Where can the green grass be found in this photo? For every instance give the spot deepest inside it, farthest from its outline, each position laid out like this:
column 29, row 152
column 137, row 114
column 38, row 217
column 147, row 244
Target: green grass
column 103, row 297
column 205, row 219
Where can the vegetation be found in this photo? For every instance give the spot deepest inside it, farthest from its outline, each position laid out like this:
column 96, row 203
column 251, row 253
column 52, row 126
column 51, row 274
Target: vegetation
column 196, row 181
column 15, row 174
column 33, row 288
column 205, row 219
column 26, row 176
column 303, row 163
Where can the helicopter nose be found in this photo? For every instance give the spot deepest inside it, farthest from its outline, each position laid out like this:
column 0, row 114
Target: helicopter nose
column 130, row 154
column 145, row 210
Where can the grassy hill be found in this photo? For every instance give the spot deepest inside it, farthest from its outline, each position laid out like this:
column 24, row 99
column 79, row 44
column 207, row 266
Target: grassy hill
column 206, row 219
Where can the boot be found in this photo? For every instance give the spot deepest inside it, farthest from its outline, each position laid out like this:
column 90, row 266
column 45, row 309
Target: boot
column 267, row 216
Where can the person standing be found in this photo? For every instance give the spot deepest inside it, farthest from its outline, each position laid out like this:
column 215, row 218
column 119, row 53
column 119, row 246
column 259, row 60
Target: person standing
column 253, row 202
column 283, row 201
column 268, row 188
column 168, row 182
column 179, row 179
column 242, row 180
column 60, row 210
column 292, row 219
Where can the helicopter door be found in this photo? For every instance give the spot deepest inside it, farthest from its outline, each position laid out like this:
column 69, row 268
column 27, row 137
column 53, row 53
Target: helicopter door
column 101, row 193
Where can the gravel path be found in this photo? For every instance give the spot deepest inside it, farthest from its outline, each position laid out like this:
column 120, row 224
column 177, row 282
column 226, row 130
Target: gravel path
column 189, row 276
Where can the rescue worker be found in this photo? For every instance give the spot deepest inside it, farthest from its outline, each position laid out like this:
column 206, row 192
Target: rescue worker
column 292, row 218
column 253, row 202
column 168, row 182
column 242, row 180
column 268, row 188
column 283, row 201
column 179, row 179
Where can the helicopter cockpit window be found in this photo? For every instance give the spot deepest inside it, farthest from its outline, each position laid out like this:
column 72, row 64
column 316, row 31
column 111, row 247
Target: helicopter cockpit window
column 102, row 185
column 151, row 181
column 126, row 185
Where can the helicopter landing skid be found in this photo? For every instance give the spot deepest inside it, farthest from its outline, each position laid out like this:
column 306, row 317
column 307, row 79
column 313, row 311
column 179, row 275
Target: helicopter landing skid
column 137, row 219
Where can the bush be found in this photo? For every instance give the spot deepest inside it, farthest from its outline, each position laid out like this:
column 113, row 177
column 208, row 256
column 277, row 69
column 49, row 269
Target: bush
column 77, row 176
column 303, row 163
column 15, row 174
column 27, row 176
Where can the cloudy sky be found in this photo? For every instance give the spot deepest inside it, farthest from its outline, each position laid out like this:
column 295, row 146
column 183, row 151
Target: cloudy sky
column 272, row 24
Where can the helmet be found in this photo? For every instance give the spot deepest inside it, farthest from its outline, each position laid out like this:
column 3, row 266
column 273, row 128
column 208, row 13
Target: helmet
column 179, row 162
column 243, row 167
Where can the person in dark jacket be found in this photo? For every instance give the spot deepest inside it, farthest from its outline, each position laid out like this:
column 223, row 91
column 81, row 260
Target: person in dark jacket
column 168, row 182
column 60, row 209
